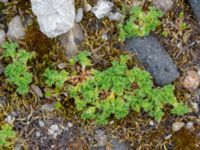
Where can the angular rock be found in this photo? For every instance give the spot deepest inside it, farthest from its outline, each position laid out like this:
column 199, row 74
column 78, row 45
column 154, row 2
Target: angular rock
column 195, row 5
column 115, row 16
column 55, row 17
column 71, row 40
column 163, row 5
column 102, row 8
column 191, row 81
column 2, row 36
column 87, row 7
column 154, row 58
column 177, row 126
column 15, row 29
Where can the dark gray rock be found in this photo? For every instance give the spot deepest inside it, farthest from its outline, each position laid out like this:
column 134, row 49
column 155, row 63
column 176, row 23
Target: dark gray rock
column 195, row 5
column 154, row 58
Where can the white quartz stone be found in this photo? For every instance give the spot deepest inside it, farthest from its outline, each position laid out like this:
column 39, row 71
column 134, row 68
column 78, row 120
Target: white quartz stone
column 55, row 17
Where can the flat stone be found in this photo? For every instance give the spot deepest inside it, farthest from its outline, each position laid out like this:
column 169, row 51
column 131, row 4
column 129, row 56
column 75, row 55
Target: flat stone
column 55, row 17
column 163, row 5
column 16, row 30
column 154, row 58
column 177, row 126
column 195, row 5
column 102, row 9
column 48, row 107
column 115, row 16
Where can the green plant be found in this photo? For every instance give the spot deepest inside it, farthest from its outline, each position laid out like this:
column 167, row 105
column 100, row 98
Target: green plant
column 6, row 136
column 17, row 71
column 117, row 90
column 139, row 23
column 53, row 77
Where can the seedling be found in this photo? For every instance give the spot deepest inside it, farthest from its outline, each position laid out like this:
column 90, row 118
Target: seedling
column 139, row 23
column 7, row 135
column 17, row 71
column 53, row 77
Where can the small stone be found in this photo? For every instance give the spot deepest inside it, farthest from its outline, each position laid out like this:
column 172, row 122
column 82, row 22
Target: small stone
column 105, row 36
column 69, row 124
column 18, row 147
column 2, row 37
column 10, row 119
column 79, row 15
column 189, row 125
column 37, row 134
column 163, row 5
column 168, row 137
column 151, row 123
column 87, row 7
column 102, row 9
column 117, row 145
column 191, row 80
column 1, row 68
column 71, row 40
column 49, row 107
column 115, row 16
column 54, row 130
column 195, row 107
column 36, row 89
column 16, row 30
column 41, row 123
column 177, row 126
column 62, row 65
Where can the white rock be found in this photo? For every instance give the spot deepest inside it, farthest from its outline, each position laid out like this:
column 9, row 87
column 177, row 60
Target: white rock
column 69, row 124
column 189, row 125
column 102, row 8
column 54, row 130
column 41, row 123
column 15, row 29
column 10, row 119
column 55, row 17
column 115, row 16
column 2, row 36
column 79, row 15
column 87, row 7
column 37, row 134
column 104, row 36
column 48, row 107
column 177, row 126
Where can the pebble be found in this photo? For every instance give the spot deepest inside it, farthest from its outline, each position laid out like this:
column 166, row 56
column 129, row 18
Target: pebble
column 168, row 137
column 191, row 80
column 177, row 126
column 41, row 123
column 87, row 7
column 151, row 123
column 38, row 134
column 69, row 124
column 195, row 107
column 2, row 37
column 189, row 125
column 79, row 15
column 105, row 36
column 54, row 130
column 115, row 16
column 49, row 107
column 16, row 30
column 62, row 65
column 36, row 89
column 10, row 119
